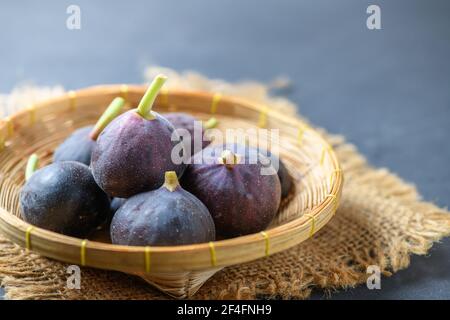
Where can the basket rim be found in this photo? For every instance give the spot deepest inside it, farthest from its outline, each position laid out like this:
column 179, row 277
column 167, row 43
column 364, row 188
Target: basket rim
column 8, row 220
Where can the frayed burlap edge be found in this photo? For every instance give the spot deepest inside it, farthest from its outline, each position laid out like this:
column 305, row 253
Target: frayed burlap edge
column 427, row 224
column 403, row 225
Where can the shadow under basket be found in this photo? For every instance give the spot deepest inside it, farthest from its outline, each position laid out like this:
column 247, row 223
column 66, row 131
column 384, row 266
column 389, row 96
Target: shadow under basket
column 176, row 270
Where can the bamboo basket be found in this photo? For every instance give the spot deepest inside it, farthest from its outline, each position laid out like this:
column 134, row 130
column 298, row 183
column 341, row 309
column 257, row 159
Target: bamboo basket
column 177, row 270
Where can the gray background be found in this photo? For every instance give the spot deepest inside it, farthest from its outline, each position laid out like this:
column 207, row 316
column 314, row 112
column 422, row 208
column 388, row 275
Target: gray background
column 387, row 91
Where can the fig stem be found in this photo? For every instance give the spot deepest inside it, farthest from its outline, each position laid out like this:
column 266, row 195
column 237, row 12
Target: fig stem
column 211, row 123
column 228, row 158
column 145, row 105
column 32, row 164
column 109, row 115
column 171, row 181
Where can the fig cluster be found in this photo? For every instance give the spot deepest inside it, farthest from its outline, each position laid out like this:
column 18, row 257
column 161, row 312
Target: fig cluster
column 123, row 171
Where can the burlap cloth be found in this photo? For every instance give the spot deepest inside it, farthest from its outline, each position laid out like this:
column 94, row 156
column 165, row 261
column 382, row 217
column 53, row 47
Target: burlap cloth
column 381, row 221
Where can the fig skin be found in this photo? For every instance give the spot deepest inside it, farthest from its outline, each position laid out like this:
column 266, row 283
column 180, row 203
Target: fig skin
column 161, row 218
column 63, row 197
column 285, row 179
column 77, row 147
column 240, row 199
column 116, row 203
column 185, row 121
column 132, row 152
column 283, row 173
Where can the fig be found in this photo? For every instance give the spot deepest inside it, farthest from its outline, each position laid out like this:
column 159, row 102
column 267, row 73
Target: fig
column 79, row 145
column 135, row 148
column 166, row 216
column 181, row 120
column 63, row 197
column 241, row 196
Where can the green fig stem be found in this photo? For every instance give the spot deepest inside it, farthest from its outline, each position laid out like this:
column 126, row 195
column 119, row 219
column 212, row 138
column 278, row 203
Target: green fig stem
column 211, row 123
column 171, row 181
column 228, row 158
column 33, row 163
column 145, row 105
column 109, row 115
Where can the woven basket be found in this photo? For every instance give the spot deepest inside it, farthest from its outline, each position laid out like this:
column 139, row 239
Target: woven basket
column 178, row 270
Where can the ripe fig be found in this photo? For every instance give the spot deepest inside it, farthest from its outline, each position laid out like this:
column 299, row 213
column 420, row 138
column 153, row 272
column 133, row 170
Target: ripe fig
column 166, row 216
column 63, row 197
column 187, row 122
column 135, row 148
column 242, row 197
column 79, row 145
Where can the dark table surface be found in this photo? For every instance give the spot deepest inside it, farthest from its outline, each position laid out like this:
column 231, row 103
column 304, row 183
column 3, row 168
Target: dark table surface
column 387, row 91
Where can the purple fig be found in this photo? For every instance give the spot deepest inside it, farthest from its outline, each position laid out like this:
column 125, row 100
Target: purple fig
column 166, row 216
column 187, row 122
column 63, row 197
column 242, row 197
column 79, row 145
column 135, row 148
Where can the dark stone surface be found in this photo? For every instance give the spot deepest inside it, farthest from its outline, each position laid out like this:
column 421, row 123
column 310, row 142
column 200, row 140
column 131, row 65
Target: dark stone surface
column 387, row 91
